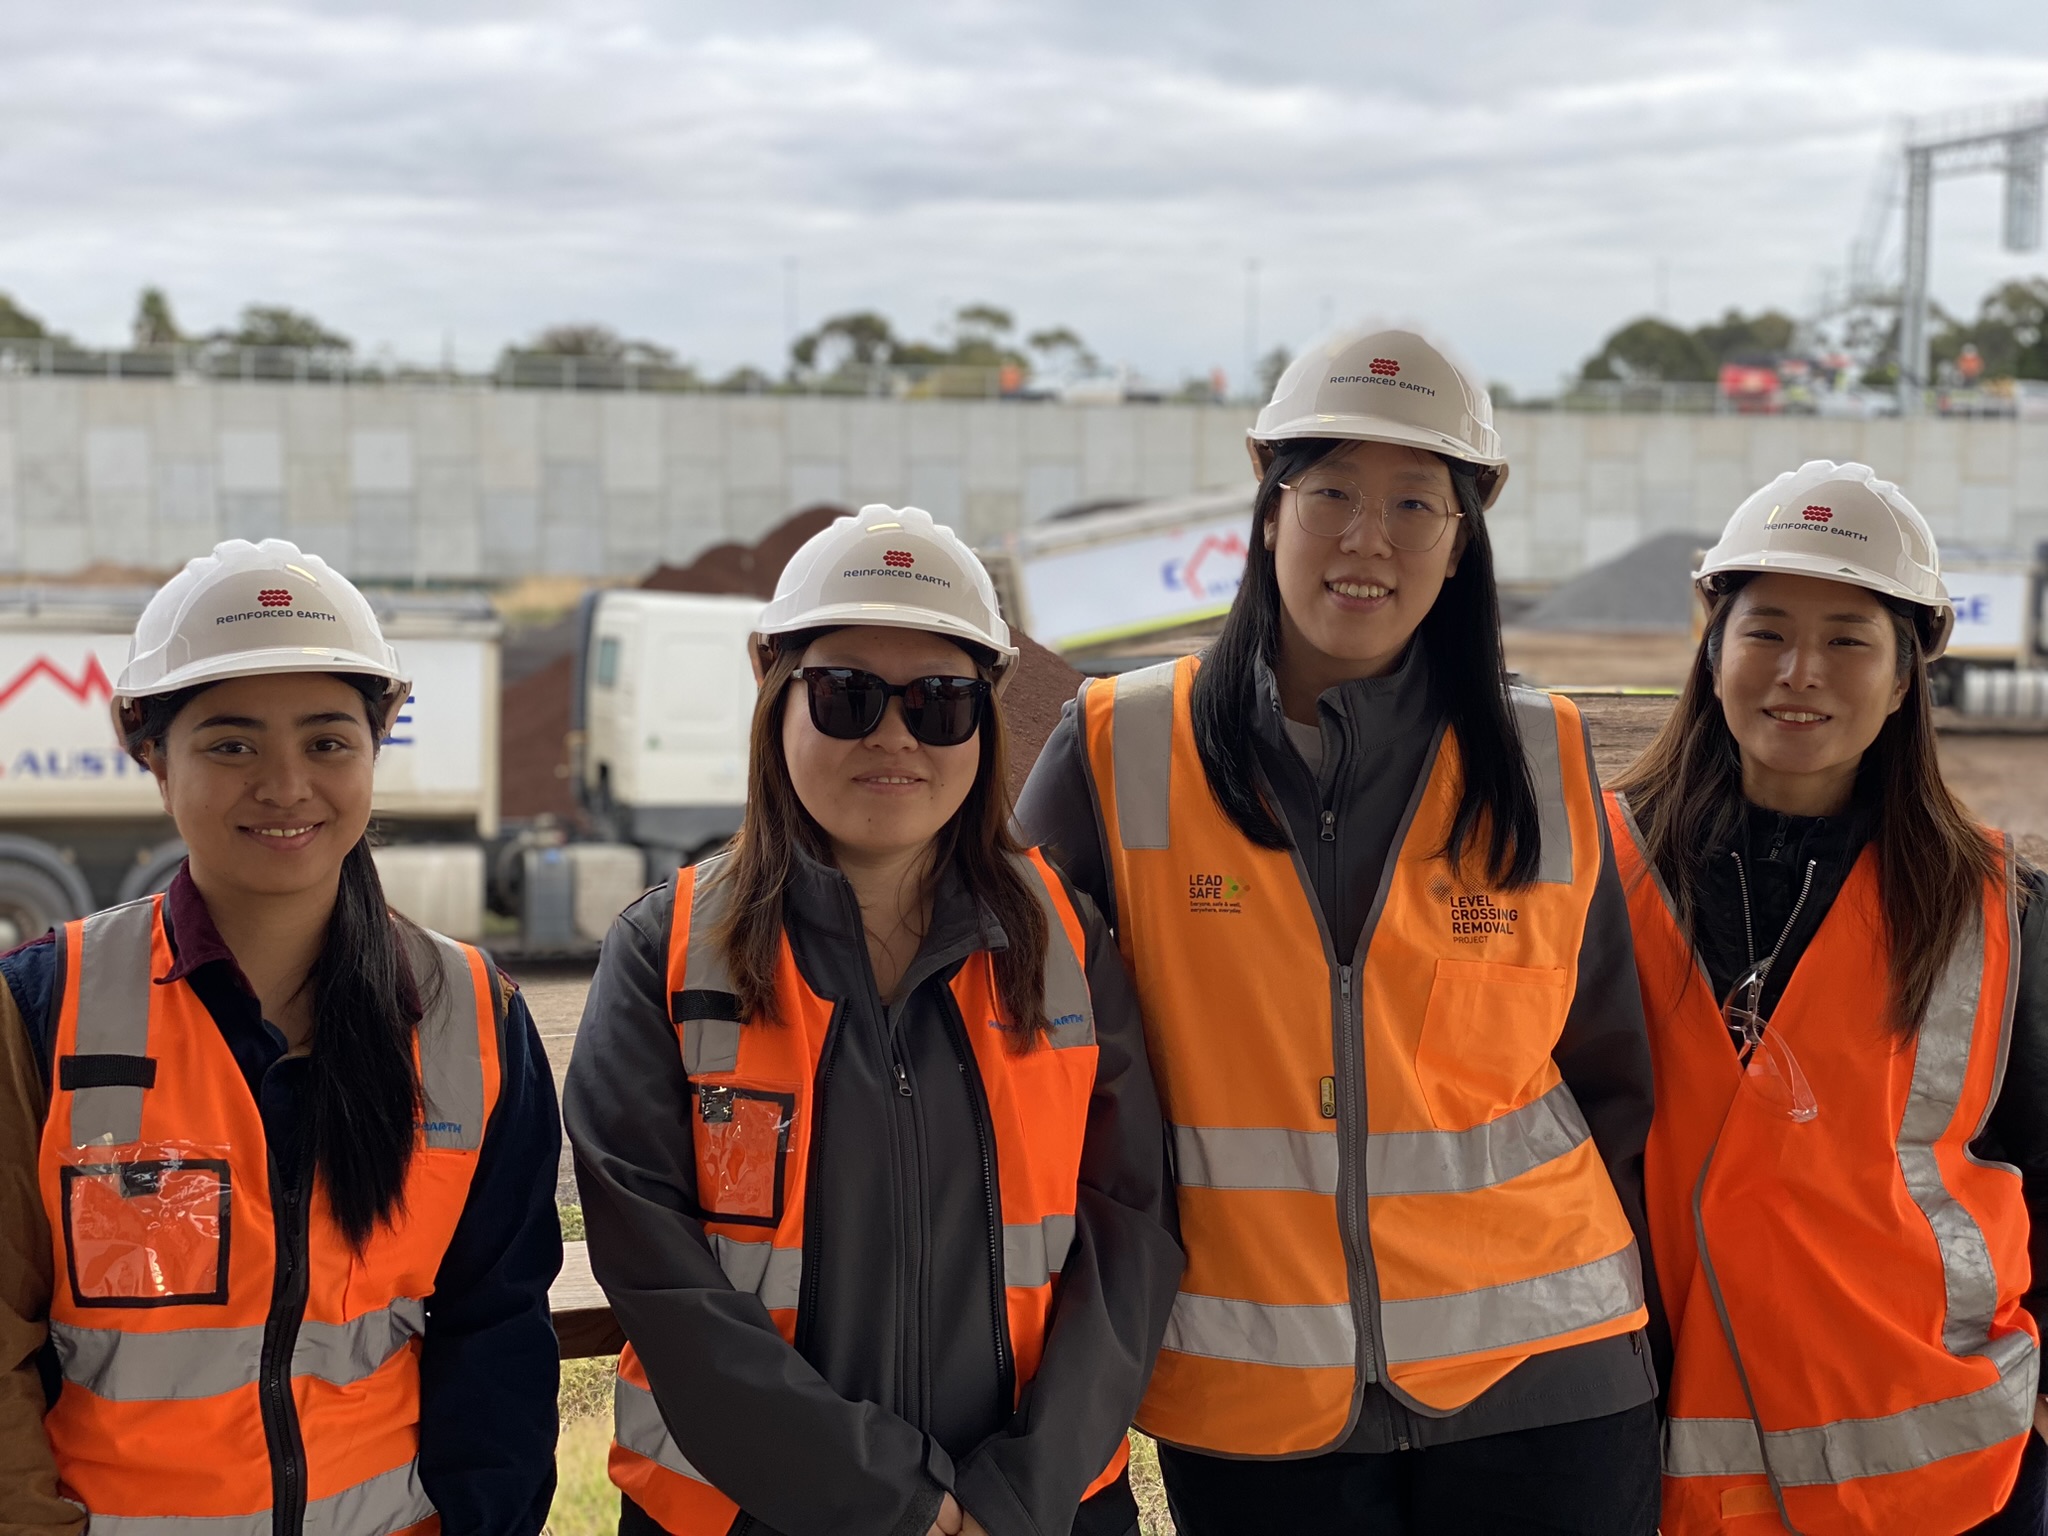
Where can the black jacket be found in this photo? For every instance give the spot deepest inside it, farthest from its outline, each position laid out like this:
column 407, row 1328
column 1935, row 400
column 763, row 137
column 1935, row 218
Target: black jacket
column 894, row 1393
column 1774, row 852
column 1343, row 819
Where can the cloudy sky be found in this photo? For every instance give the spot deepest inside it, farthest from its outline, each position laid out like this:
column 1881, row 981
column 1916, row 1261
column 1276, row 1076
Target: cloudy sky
column 447, row 176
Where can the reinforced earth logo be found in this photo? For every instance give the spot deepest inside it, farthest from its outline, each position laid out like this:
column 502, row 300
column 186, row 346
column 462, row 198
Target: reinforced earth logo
column 1473, row 916
column 1812, row 518
column 1219, row 894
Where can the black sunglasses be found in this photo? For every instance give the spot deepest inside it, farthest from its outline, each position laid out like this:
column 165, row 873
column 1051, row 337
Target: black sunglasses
column 847, row 704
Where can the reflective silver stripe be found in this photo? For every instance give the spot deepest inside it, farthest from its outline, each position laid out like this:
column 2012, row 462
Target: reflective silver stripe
column 113, row 1017
column 776, row 1275
column 157, row 1367
column 378, row 1506
column 193, row 1363
column 1033, row 1252
column 1254, row 1157
column 451, row 1057
column 1222, row 1328
column 348, row 1352
column 1523, row 1312
column 1069, row 1009
column 1141, row 739
column 709, row 1045
column 638, row 1426
column 1537, row 717
column 1941, row 1064
column 1878, row 1447
column 1446, row 1162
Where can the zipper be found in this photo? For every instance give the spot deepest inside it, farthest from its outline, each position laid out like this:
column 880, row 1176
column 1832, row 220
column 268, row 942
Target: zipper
column 999, row 1301
column 1347, row 1129
column 902, row 1081
column 1329, row 832
column 280, row 1411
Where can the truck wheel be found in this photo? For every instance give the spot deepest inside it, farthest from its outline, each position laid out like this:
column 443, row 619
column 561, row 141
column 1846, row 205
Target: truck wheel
column 31, row 903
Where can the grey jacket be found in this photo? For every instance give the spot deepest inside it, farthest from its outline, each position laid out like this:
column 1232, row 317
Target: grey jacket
column 897, row 1389
column 1376, row 746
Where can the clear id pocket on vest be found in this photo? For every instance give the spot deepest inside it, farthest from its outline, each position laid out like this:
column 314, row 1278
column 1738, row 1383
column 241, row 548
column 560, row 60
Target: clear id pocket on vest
column 742, row 1134
column 148, row 1228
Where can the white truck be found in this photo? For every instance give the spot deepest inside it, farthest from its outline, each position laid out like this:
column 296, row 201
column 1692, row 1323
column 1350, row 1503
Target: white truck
column 1997, row 660
column 1104, row 579
column 666, row 675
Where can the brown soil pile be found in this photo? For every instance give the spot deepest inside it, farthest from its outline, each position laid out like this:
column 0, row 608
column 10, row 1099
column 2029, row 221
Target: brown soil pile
column 1032, row 702
column 746, row 570
column 533, row 743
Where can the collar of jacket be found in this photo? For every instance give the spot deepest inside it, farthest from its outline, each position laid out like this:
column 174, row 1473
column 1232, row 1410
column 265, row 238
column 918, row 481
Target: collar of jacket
column 821, row 900
column 1766, row 837
column 1400, row 701
column 195, row 941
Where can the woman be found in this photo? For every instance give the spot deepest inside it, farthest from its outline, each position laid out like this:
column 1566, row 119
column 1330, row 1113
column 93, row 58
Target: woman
column 1383, row 961
column 871, row 1161
column 297, row 1159
column 1849, row 1018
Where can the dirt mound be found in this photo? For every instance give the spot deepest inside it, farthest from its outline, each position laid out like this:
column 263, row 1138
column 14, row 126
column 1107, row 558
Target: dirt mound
column 746, row 570
column 1647, row 587
column 533, row 743
column 1032, row 702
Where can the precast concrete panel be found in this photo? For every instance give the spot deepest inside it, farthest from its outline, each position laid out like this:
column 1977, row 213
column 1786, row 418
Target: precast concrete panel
column 122, row 403
column 119, row 524
column 1224, row 457
column 1984, row 515
column 259, row 515
column 937, row 429
column 995, row 447
column 1608, row 536
column 51, row 547
column 754, row 454
column 572, row 549
column 49, row 416
column 633, row 532
column 182, row 422
column 814, row 428
column 632, row 443
column 264, row 407
column 444, row 422
column 380, row 461
column 51, row 490
column 1885, row 449
column 693, row 495
column 511, row 533
column 568, row 425
column 1613, row 436
column 812, row 481
column 694, row 426
column 876, row 465
column 2030, row 468
column 939, row 486
column 1666, row 451
column 384, row 527
column 1509, row 536
column 451, row 550
column 991, row 514
column 1166, row 451
column 316, row 492
column 508, row 441
column 336, row 543
column 116, row 459
column 378, row 408
column 1719, row 487
column 1989, row 449
column 1613, row 488
column 251, row 459
column 316, row 422
column 1557, row 443
column 1555, row 515
column 1050, row 488
column 750, row 514
column 1052, row 431
column 1109, row 451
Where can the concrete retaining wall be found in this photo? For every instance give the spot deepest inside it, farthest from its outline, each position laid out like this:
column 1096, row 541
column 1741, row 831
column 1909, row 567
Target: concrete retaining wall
column 461, row 483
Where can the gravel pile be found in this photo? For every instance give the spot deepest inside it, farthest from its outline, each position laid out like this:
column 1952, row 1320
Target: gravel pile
column 1648, row 587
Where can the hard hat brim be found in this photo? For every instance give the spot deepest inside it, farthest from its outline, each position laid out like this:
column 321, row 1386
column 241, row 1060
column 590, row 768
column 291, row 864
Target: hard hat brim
column 1377, row 429
column 279, row 659
column 1941, row 615
column 887, row 616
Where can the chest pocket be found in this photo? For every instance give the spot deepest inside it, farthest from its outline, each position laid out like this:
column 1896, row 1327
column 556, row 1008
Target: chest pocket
column 147, row 1230
column 742, row 1135
column 1488, row 1031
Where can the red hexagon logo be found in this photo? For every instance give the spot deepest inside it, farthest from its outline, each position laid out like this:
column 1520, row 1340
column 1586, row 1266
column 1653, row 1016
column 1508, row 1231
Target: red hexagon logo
column 898, row 559
column 1818, row 514
column 274, row 597
column 1385, row 368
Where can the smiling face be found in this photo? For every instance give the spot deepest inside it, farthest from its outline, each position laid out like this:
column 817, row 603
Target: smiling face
column 268, row 779
column 1808, row 675
column 887, row 794
column 1350, row 604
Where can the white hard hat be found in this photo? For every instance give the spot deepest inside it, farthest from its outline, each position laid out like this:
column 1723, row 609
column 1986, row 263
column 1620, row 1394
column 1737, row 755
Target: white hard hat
column 896, row 567
column 1842, row 523
column 1386, row 386
column 253, row 608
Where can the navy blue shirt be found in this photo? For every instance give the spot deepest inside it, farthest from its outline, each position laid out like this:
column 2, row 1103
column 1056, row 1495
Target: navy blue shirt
column 489, row 1362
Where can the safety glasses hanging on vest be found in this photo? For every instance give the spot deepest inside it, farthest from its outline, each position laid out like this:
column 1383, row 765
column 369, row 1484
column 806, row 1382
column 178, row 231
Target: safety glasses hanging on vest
column 1768, row 1064
column 847, row 704
column 1327, row 504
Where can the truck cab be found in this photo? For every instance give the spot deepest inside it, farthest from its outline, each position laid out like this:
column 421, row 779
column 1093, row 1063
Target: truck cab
column 663, row 704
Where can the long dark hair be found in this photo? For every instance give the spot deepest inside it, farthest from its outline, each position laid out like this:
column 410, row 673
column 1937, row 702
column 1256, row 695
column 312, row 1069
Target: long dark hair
column 363, row 1076
column 977, row 843
column 1461, row 634
column 1933, row 858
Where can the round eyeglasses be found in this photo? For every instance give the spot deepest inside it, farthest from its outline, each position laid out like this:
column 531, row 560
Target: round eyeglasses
column 1328, row 505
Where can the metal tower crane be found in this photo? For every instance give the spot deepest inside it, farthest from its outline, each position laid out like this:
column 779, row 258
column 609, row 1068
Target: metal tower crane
column 2011, row 139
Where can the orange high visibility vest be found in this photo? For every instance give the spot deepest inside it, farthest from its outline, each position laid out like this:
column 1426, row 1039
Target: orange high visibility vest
column 1493, row 1232
column 193, row 1397
column 1844, row 1292
column 751, row 1118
